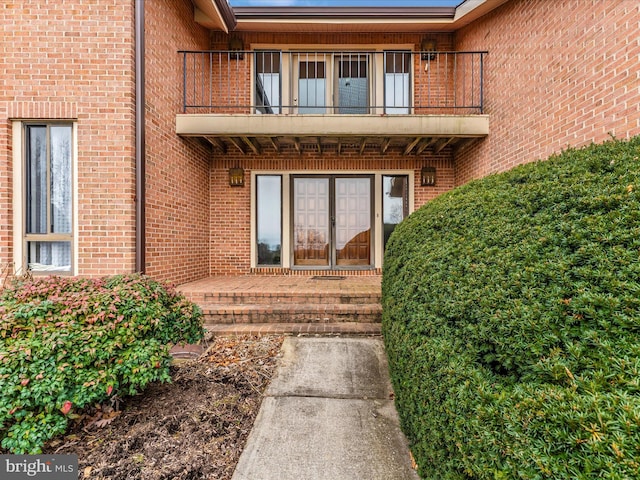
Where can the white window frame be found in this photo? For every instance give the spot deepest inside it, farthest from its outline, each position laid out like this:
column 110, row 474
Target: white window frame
column 19, row 196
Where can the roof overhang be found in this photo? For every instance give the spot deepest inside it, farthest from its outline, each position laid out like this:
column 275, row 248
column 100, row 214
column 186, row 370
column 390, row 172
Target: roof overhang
column 410, row 133
column 471, row 10
column 216, row 14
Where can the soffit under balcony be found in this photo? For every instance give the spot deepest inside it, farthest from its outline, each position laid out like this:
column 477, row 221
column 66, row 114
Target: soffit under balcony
column 407, row 134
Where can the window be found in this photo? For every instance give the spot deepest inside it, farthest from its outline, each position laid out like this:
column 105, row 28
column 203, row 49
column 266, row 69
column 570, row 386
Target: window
column 48, row 197
column 269, row 219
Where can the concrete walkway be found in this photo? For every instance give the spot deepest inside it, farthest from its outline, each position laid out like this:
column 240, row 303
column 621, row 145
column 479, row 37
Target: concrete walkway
column 328, row 414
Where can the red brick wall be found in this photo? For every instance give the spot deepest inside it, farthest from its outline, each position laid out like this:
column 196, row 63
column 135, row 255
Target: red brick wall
column 177, row 170
column 558, row 74
column 75, row 62
column 230, row 206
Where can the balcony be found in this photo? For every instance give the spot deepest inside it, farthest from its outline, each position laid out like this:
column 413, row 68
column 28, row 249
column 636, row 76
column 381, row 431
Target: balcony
column 253, row 100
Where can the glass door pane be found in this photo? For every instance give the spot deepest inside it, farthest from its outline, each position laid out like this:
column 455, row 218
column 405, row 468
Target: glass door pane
column 352, row 84
column 311, row 226
column 312, row 87
column 268, row 67
column 397, row 68
column 353, row 221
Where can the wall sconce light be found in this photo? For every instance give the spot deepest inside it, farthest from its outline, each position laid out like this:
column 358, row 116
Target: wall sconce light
column 428, row 48
column 428, row 177
column 236, row 177
column 236, row 45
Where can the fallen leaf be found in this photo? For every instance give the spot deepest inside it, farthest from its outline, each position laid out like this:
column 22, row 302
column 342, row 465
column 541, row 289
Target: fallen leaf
column 104, row 422
column 414, row 465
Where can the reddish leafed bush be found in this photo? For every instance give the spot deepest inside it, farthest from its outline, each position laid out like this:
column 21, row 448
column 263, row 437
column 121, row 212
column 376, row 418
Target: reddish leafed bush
column 66, row 343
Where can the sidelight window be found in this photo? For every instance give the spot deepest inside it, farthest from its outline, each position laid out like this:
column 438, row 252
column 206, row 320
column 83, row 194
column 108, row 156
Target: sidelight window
column 395, row 203
column 269, row 219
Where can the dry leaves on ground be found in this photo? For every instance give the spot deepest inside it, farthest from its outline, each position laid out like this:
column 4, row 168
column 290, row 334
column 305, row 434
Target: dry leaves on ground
column 193, row 428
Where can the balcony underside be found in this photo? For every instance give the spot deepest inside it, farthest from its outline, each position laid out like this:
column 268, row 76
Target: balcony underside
column 411, row 134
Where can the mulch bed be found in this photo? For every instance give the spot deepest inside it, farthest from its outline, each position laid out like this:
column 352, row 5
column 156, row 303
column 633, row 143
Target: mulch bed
column 192, row 428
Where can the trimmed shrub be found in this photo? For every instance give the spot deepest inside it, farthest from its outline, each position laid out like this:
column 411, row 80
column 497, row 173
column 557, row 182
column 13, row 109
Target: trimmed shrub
column 66, row 343
column 511, row 318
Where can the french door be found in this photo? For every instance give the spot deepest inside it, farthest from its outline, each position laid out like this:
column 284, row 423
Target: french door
column 332, row 83
column 332, row 220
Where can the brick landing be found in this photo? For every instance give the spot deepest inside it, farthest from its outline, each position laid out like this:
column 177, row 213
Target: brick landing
column 344, row 328
column 288, row 304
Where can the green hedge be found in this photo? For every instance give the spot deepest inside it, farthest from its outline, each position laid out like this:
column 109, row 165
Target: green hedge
column 511, row 317
column 66, row 343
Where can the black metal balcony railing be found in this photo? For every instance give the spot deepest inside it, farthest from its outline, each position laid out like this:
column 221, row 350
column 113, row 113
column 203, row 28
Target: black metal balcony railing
column 333, row 82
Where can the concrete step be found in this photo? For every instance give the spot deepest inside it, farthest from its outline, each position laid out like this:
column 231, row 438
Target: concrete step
column 342, row 328
column 279, row 298
column 290, row 313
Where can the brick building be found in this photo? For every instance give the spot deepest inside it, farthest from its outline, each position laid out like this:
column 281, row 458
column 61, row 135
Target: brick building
column 186, row 139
